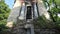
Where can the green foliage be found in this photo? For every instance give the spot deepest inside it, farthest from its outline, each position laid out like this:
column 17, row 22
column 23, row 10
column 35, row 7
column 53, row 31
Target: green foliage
column 54, row 11
column 57, row 2
column 42, row 22
column 4, row 12
column 2, row 25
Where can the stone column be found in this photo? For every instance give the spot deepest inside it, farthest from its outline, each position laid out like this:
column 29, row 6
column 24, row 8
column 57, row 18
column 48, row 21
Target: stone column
column 42, row 10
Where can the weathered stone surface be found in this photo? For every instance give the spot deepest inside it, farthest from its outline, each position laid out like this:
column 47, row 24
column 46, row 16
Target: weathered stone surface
column 45, row 31
column 42, row 10
column 19, row 25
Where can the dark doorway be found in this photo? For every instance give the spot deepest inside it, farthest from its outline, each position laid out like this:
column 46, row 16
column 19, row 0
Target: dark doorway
column 29, row 13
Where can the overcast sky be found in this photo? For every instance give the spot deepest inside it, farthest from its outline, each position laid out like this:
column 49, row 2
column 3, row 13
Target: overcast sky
column 10, row 3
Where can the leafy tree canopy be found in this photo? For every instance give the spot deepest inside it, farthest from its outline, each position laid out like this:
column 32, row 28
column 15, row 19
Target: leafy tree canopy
column 4, row 12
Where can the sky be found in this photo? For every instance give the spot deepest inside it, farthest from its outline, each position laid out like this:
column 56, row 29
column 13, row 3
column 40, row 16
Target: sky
column 9, row 3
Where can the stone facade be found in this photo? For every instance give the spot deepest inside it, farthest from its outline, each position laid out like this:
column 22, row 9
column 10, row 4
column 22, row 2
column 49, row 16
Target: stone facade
column 19, row 25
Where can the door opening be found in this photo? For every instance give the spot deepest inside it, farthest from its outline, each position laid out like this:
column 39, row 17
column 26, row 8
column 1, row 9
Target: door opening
column 29, row 13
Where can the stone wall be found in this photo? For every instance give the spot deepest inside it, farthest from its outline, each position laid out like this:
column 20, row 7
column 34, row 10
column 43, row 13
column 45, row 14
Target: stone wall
column 46, row 31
